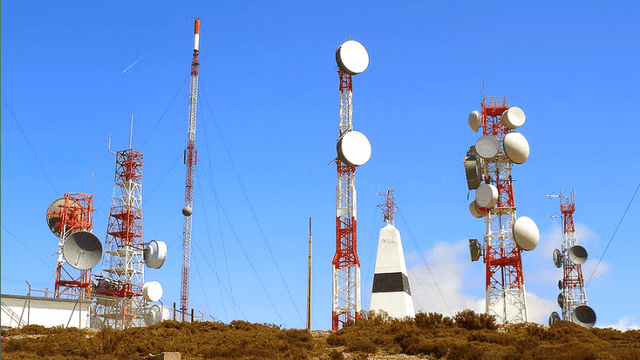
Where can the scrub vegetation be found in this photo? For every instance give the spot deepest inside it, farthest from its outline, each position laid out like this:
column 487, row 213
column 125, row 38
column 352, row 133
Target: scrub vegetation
column 466, row 335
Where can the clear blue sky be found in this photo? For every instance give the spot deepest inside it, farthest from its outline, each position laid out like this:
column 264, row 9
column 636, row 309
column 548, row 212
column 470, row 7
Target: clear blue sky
column 268, row 119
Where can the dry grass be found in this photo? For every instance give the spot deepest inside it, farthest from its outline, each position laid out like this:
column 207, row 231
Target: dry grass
column 375, row 336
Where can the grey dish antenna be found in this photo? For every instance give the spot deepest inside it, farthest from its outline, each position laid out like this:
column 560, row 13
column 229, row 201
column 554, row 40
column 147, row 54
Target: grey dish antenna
column 53, row 215
column 584, row 316
column 513, row 117
column 82, row 250
column 475, row 120
column 578, row 254
column 557, row 258
column 155, row 254
column 487, row 147
column 554, row 318
column 352, row 57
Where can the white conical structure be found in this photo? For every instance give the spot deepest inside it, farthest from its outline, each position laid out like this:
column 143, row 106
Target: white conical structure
column 391, row 291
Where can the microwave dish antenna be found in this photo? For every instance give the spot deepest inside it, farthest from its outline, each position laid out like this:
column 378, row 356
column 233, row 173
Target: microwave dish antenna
column 352, row 57
column 82, row 250
column 155, row 253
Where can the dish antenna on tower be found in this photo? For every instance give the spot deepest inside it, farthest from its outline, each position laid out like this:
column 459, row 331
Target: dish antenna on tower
column 82, row 250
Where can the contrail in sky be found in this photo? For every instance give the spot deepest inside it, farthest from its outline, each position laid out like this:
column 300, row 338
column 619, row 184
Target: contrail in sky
column 130, row 66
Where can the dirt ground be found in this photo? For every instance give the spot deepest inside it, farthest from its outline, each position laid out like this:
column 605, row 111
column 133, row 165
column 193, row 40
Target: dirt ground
column 427, row 336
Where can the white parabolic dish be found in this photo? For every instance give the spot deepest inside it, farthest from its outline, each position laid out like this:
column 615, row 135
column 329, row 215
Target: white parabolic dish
column 354, row 148
column 152, row 291
column 352, row 57
column 155, row 254
column 486, row 195
column 526, row 233
column 474, row 210
column 513, row 117
column 516, row 147
column 475, row 120
column 487, row 147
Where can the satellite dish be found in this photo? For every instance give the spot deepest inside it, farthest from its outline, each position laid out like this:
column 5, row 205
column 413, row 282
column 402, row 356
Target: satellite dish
column 560, row 285
column 474, row 209
column 53, row 215
column 152, row 317
column 557, row 258
column 187, row 211
column 475, row 120
column 516, row 147
column 472, row 168
column 152, row 291
column 554, row 318
column 513, row 117
column 578, row 254
column 475, row 249
column 352, row 57
column 486, row 195
column 487, row 147
column 561, row 299
column 155, row 254
column 82, row 250
column 354, row 148
column 526, row 233
column 583, row 315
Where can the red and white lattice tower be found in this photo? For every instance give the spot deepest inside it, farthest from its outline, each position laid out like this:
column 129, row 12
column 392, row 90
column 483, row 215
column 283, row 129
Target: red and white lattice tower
column 71, row 213
column 573, row 298
column 119, row 300
column 506, row 236
column 353, row 150
column 190, row 160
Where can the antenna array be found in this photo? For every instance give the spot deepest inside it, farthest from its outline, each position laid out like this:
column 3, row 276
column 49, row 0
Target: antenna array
column 488, row 170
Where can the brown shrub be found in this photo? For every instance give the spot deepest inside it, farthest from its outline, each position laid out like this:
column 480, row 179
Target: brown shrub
column 469, row 320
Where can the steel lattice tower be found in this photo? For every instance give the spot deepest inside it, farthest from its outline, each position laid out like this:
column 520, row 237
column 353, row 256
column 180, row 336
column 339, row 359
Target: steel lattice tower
column 573, row 290
column 346, row 265
column 119, row 300
column 190, row 160
column 74, row 212
column 505, row 296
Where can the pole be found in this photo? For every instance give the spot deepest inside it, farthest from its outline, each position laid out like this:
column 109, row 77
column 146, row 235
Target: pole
column 309, row 283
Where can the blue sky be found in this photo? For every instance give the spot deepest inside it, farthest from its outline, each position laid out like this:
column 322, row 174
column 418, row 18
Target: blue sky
column 267, row 126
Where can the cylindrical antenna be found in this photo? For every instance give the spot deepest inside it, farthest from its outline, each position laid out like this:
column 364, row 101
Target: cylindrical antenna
column 309, row 283
column 131, row 133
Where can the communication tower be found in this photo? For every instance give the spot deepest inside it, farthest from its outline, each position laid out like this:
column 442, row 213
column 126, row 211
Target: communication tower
column 65, row 216
column 190, row 160
column 488, row 169
column 354, row 150
column 120, row 303
column 573, row 298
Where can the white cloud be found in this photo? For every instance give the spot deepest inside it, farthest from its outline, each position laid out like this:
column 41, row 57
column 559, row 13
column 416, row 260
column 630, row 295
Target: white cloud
column 626, row 323
column 449, row 266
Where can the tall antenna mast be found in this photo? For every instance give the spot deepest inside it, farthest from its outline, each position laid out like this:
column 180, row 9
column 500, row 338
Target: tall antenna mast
column 309, row 283
column 190, row 160
column 488, row 169
column 354, row 150
column 573, row 298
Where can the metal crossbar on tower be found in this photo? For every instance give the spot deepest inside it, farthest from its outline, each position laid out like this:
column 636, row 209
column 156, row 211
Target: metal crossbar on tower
column 354, row 150
column 119, row 300
column 488, row 168
column 190, row 160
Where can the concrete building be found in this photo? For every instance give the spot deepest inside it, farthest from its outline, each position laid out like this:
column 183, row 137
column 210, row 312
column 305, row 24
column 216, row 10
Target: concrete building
column 21, row 310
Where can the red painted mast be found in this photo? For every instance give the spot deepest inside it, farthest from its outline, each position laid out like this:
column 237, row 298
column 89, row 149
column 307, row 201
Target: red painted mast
column 190, row 160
